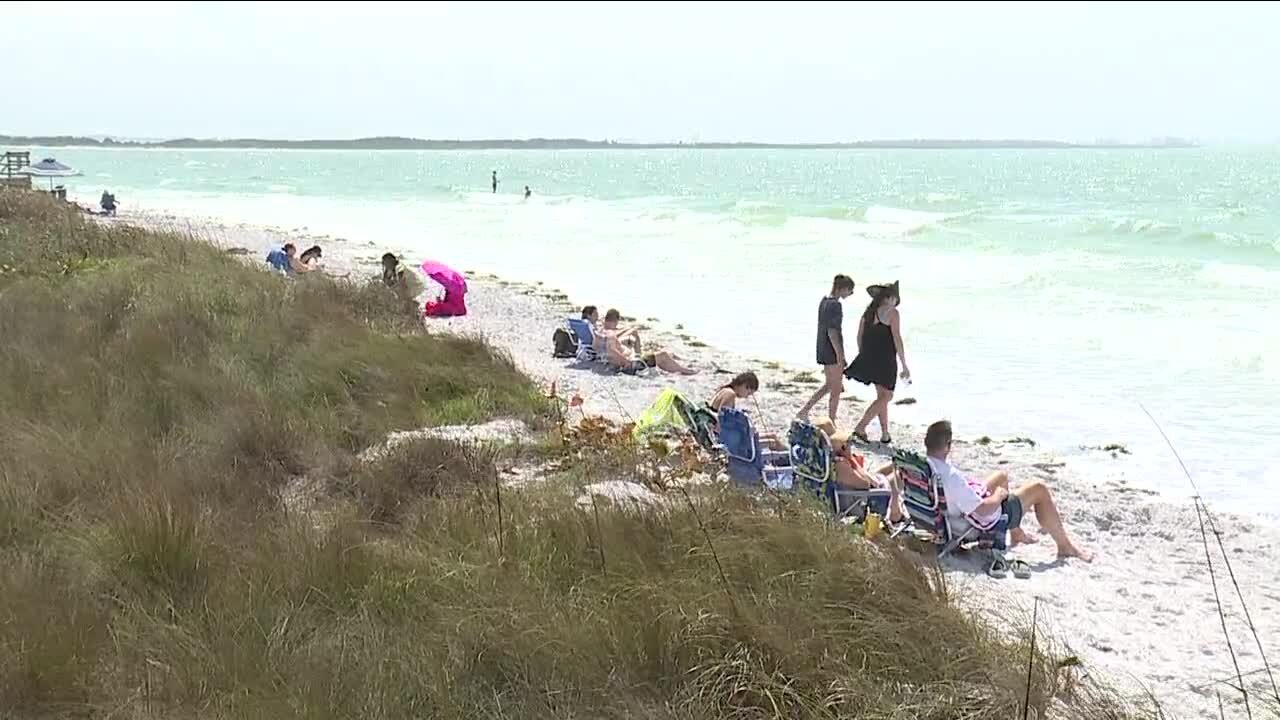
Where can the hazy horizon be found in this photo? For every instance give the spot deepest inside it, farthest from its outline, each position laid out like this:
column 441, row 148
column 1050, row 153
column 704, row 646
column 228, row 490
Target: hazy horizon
column 651, row 72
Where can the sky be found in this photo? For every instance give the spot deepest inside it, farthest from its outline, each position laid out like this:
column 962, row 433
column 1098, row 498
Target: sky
column 779, row 72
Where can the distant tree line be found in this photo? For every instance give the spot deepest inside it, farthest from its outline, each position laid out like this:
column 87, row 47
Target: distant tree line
column 405, row 143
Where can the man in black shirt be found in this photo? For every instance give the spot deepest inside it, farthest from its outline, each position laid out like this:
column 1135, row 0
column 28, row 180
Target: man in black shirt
column 830, row 349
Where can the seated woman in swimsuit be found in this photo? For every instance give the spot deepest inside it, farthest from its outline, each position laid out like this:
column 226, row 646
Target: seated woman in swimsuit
column 851, row 472
column 742, row 387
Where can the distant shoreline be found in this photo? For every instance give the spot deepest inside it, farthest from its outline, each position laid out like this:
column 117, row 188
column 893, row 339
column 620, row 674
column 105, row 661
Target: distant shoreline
column 405, row 143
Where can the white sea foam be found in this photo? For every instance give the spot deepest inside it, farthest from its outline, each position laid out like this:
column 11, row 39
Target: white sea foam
column 1235, row 275
column 904, row 218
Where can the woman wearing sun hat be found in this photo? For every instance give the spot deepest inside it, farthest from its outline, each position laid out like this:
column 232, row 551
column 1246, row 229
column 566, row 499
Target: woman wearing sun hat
column 879, row 351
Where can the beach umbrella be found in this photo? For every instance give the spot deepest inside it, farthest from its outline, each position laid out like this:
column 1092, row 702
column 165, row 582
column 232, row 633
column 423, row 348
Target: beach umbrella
column 49, row 168
column 451, row 279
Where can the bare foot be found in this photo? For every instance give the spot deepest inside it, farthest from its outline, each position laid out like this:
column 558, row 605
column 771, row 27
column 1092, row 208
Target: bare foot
column 1020, row 537
column 1073, row 551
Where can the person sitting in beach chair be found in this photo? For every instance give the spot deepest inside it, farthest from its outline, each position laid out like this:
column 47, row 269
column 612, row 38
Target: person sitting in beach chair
column 609, row 344
column 985, row 503
column 742, row 387
column 824, row 462
column 926, row 503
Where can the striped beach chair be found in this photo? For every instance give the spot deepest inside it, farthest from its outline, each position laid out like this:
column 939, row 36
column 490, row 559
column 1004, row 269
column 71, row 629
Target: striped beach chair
column 926, row 504
column 701, row 421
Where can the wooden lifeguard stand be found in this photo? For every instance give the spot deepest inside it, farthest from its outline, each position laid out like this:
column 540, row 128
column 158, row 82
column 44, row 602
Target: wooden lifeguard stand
column 9, row 167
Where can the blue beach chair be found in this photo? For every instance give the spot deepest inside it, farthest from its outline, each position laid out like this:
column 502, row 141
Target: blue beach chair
column 813, row 460
column 926, row 503
column 585, row 337
column 749, row 465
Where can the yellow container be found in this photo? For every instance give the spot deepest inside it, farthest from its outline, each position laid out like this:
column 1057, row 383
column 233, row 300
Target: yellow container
column 872, row 526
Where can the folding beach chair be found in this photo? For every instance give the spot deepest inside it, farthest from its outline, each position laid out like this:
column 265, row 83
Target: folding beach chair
column 813, row 460
column 749, row 465
column 926, row 502
column 584, row 336
column 672, row 415
column 701, row 421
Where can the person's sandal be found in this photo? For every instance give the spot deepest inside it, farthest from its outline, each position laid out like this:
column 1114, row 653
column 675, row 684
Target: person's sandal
column 1021, row 570
column 999, row 568
column 861, row 437
column 886, row 440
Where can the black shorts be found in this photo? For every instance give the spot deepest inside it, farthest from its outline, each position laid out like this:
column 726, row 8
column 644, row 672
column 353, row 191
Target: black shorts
column 644, row 363
column 1012, row 506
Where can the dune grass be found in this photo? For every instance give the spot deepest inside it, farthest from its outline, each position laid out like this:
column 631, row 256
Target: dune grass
column 157, row 397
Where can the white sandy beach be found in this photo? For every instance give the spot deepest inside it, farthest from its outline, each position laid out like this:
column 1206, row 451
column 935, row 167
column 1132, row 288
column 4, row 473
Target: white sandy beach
column 1142, row 614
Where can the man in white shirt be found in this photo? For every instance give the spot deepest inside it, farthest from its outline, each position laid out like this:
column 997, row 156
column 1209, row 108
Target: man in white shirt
column 984, row 503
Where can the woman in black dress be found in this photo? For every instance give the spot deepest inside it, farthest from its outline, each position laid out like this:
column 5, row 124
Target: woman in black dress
column 879, row 350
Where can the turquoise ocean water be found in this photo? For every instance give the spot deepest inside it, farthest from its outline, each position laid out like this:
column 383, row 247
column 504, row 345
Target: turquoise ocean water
column 1045, row 293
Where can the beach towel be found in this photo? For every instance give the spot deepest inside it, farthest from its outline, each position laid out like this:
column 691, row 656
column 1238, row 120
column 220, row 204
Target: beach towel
column 662, row 418
column 672, row 415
